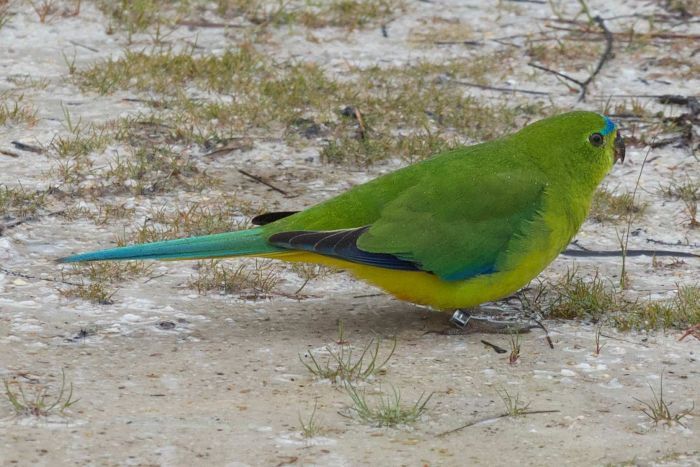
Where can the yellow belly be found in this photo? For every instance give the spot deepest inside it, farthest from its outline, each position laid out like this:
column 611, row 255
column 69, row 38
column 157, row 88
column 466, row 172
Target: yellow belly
column 428, row 289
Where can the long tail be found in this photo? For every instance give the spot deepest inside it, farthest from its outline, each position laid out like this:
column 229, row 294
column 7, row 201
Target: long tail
column 240, row 243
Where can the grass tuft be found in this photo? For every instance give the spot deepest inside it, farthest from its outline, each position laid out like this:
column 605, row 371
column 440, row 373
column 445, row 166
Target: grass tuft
column 14, row 111
column 309, row 272
column 19, row 202
column 40, row 403
column 575, row 297
column 106, row 271
column 95, row 279
column 342, row 365
column 248, row 282
column 688, row 192
column 598, row 344
column 194, row 219
column 679, row 313
column 514, row 355
column 311, row 427
column 366, row 117
column 389, row 411
column 514, row 406
column 149, row 170
column 610, row 207
column 96, row 292
column 659, row 411
column 102, row 214
column 152, row 16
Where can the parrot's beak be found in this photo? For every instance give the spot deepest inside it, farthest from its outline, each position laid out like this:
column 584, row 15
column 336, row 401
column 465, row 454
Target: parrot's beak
column 619, row 145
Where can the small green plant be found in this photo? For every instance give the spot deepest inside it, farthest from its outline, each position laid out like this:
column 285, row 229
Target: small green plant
column 133, row 16
column 81, row 139
column 43, row 9
column 608, row 206
column 94, row 281
column 680, row 312
column 389, row 411
column 352, row 14
column 96, row 292
column 659, row 411
column 309, row 272
column 102, row 214
column 248, row 282
column 194, row 219
column 39, row 404
column 19, row 202
column 514, row 406
column 342, row 365
column 300, row 101
column 577, row 297
column 70, row 62
column 514, row 348
column 689, row 193
column 310, row 427
column 108, row 271
column 534, row 299
column 624, row 237
column 598, row 333
column 685, row 306
column 155, row 169
column 13, row 110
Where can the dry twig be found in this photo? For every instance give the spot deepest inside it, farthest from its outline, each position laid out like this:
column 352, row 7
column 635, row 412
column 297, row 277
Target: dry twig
column 607, row 54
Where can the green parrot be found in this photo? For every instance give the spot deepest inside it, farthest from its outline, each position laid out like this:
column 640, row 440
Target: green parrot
column 467, row 226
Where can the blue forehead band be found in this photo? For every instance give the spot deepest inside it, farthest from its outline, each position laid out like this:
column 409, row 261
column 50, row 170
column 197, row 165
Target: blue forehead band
column 609, row 126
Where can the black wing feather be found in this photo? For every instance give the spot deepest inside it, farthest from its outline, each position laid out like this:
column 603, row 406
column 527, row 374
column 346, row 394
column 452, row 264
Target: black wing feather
column 269, row 217
column 339, row 244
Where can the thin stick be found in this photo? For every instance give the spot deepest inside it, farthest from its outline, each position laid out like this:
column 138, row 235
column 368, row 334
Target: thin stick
column 607, row 54
column 470, row 43
column 489, row 419
column 27, row 276
column 678, row 243
column 613, row 253
column 603, row 58
column 78, row 44
column 260, row 180
column 556, row 73
column 623, row 340
column 27, row 147
column 361, row 123
column 501, row 89
column 494, row 346
column 546, row 333
column 651, row 35
column 206, row 24
column 9, row 153
column 626, row 235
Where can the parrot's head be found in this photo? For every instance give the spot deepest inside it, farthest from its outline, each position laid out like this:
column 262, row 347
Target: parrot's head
column 584, row 144
column 611, row 131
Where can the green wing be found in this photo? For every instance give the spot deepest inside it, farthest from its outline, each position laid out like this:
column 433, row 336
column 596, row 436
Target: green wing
column 461, row 228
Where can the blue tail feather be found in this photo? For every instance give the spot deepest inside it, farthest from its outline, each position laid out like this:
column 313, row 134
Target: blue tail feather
column 241, row 243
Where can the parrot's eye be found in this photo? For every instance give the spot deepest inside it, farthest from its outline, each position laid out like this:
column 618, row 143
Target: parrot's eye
column 596, row 139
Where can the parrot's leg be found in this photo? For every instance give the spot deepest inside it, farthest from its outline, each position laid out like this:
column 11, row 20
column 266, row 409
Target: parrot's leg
column 465, row 323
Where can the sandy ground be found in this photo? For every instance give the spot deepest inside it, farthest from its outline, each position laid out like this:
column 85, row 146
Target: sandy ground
column 165, row 376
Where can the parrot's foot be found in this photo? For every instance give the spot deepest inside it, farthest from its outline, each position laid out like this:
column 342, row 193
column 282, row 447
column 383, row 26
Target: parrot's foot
column 467, row 324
